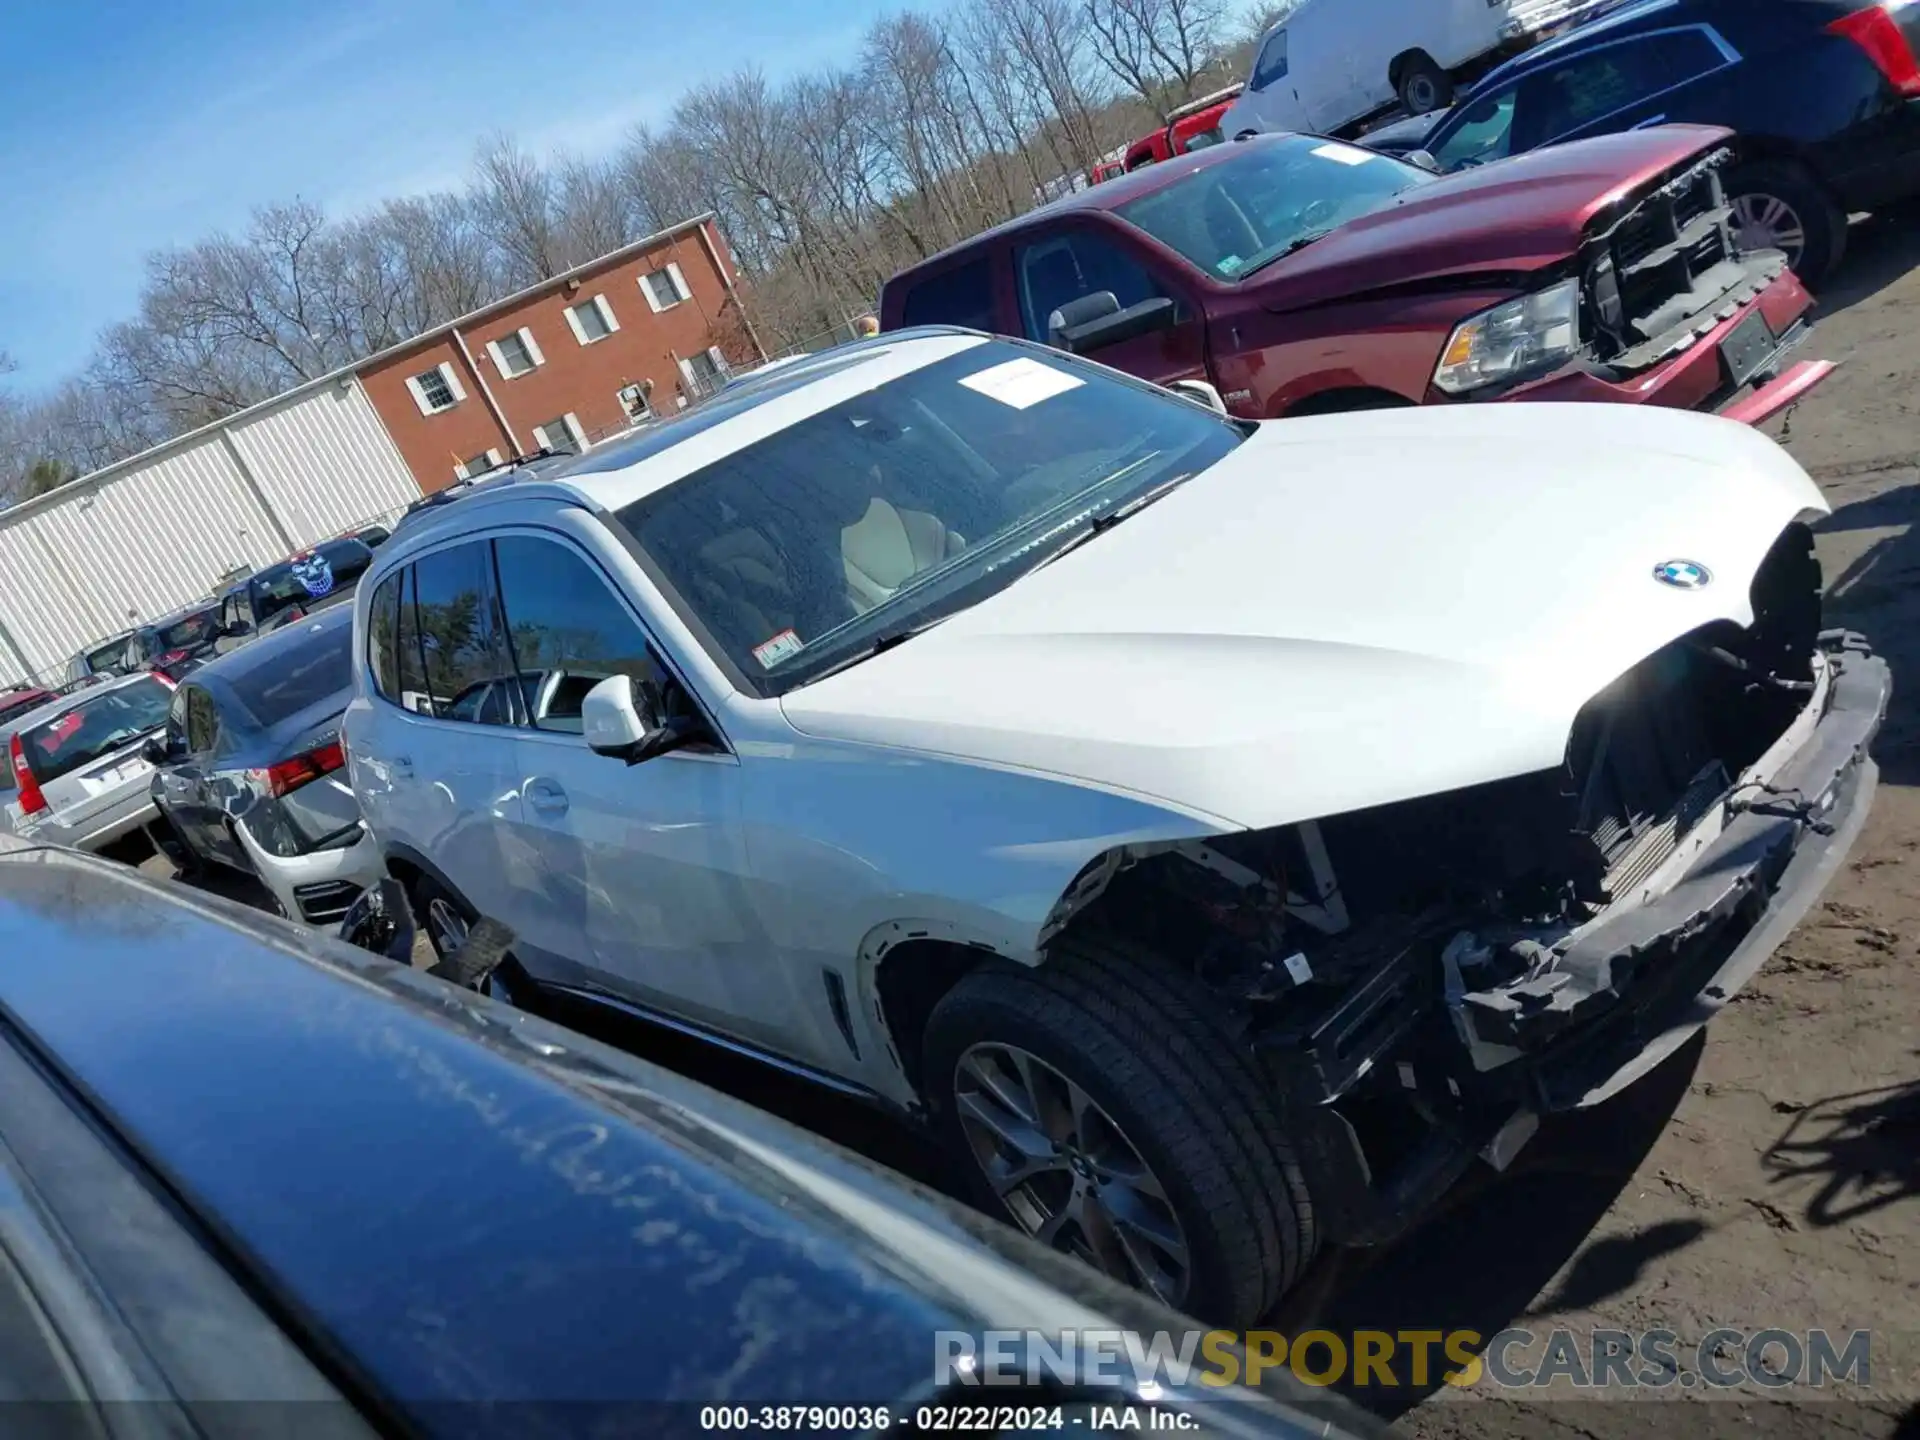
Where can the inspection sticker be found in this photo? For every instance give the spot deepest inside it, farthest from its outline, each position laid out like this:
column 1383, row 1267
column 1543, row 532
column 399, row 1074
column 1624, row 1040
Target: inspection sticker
column 1021, row 383
column 1345, row 154
column 770, row 653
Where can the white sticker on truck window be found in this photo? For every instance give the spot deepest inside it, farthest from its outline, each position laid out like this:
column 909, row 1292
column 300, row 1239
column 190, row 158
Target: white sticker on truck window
column 1021, row 383
column 1345, row 154
column 771, row 652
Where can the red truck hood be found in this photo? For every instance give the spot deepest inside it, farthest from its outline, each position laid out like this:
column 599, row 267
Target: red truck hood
column 1513, row 215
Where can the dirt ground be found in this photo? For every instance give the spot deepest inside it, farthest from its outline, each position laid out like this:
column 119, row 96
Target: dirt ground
column 1768, row 1177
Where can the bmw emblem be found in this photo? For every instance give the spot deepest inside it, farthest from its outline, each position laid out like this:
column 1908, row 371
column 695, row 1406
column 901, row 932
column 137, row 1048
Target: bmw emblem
column 1683, row 574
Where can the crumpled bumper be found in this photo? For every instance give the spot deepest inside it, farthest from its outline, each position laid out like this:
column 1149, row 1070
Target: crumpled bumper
column 1638, row 985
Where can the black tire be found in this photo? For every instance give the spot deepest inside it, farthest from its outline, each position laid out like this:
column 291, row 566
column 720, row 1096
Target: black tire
column 1152, row 1054
column 1423, row 87
column 1752, row 189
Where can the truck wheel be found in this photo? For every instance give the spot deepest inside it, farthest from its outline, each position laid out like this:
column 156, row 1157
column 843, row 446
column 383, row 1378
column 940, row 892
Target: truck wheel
column 1423, row 86
column 1778, row 206
column 1098, row 1102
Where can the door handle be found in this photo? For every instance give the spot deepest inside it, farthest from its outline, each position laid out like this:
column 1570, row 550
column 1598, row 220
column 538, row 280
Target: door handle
column 546, row 797
column 401, row 766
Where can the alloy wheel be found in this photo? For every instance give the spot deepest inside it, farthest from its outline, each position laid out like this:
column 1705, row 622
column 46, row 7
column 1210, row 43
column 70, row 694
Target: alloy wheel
column 1066, row 1171
column 1766, row 222
column 446, row 927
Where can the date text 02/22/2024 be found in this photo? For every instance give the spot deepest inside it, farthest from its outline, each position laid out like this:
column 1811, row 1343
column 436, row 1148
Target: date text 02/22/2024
column 943, row 1419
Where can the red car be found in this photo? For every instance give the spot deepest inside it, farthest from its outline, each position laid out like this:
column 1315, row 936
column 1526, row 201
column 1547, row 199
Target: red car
column 1301, row 275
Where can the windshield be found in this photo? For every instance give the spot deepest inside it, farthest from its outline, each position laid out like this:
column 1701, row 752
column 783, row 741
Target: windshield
column 307, row 577
column 1276, row 194
column 921, row 497
column 97, row 726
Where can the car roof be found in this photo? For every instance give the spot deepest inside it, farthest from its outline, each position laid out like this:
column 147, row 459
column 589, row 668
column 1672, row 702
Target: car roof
column 738, row 417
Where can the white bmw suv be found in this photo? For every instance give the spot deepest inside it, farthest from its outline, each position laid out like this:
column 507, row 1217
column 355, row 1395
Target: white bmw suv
column 1223, row 833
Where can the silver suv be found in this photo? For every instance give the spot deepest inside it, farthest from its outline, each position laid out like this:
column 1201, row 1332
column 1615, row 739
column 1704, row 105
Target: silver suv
column 1223, row 833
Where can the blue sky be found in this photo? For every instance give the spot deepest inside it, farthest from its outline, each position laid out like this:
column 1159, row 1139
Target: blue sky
column 130, row 127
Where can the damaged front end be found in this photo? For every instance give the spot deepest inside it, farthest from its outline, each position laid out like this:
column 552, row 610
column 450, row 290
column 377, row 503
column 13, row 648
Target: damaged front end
column 1424, row 979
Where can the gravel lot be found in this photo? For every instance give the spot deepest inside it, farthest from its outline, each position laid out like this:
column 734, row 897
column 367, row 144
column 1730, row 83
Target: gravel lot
column 1769, row 1177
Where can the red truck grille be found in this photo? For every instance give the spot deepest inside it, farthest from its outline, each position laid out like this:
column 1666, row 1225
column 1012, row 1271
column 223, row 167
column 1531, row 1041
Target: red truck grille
column 1667, row 270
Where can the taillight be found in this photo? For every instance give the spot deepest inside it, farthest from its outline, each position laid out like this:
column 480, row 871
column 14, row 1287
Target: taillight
column 1875, row 31
column 32, row 802
column 302, row 769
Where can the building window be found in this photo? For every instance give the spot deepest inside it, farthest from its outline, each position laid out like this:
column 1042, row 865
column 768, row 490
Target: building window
column 479, row 465
column 665, row 289
column 591, row 320
column 436, row 389
column 563, row 434
column 515, row 353
column 705, row 371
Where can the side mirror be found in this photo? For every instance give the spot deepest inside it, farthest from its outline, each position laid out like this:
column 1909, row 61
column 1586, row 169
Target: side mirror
column 1424, row 159
column 380, row 921
column 1201, row 393
column 1110, row 329
column 624, row 719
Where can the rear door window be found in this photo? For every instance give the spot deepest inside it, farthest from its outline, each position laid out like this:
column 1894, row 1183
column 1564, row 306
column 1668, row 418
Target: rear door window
column 96, row 727
column 463, row 651
column 962, row 295
column 383, row 619
column 1588, row 88
column 202, row 720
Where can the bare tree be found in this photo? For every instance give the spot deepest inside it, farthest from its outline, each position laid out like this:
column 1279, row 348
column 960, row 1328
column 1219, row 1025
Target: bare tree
column 514, row 204
column 1156, row 48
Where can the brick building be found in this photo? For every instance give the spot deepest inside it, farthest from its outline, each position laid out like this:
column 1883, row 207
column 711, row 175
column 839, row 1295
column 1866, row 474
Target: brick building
column 560, row 365
column 643, row 330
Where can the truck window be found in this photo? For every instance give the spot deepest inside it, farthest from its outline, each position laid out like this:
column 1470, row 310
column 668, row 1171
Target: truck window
column 1065, row 267
column 962, row 295
column 1271, row 63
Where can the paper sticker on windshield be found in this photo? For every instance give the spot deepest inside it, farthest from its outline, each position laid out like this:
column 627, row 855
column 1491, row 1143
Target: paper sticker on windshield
column 313, row 573
column 779, row 648
column 1021, row 383
column 1345, row 154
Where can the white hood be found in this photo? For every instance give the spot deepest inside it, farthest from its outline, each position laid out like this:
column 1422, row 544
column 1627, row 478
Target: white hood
column 1347, row 611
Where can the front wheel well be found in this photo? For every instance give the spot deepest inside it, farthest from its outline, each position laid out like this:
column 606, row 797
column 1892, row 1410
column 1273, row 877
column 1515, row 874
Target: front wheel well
column 1397, row 67
column 908, row 981
column 1348, row 398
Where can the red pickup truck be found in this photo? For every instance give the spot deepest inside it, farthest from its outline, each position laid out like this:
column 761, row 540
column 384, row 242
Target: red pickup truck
column 1193, row 126
column 1300, row 275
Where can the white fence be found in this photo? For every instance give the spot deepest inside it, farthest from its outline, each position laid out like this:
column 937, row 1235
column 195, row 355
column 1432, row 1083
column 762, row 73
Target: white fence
column 135, row 541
